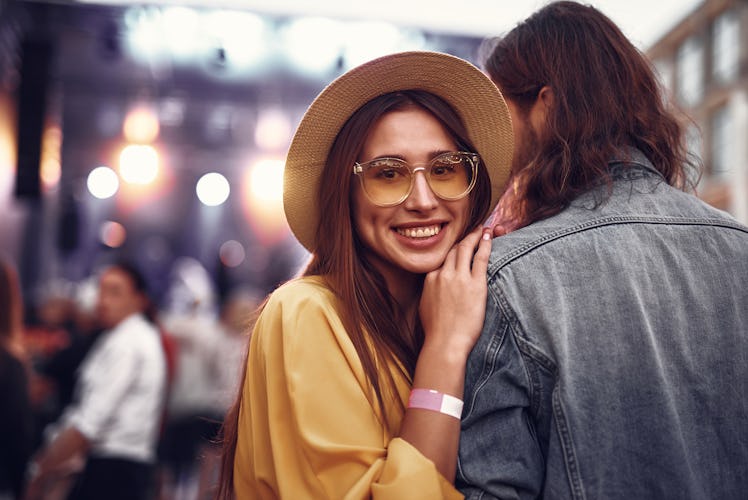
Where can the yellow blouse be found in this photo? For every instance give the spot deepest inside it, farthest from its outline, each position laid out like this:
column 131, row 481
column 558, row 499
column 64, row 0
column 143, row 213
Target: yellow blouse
column 306, row 427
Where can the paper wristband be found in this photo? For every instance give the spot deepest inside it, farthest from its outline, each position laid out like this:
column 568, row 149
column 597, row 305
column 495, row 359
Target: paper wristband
column 429, row 399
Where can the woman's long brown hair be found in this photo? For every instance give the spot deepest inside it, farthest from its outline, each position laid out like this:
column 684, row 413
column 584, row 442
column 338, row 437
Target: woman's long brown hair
column 370, row 315
column 606, row 97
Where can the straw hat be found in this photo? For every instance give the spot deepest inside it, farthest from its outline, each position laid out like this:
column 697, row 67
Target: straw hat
column 463, row 86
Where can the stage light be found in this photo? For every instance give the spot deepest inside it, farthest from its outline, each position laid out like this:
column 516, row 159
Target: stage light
column 102, row 182
column 241, row 37
column 145, row 34
column 266, row 180
column 112, row 234
column 313, row 44
column 273, row 131
column 50, row 168
column 212, row 189
column 262, row 198
column 141, row 124
column 181, row 27
column 232, row 253
column 369, row 39
column 138, row 164
column 7, row 138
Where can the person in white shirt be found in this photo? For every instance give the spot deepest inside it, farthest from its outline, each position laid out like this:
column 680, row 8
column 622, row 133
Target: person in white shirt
column 116, row 415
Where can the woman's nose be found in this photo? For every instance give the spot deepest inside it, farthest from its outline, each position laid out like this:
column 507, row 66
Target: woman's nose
column 421, row 197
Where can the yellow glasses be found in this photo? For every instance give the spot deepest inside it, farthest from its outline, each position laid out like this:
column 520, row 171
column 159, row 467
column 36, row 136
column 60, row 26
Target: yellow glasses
column 389, row 181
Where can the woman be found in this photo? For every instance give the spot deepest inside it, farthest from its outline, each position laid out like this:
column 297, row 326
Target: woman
column 391, row 172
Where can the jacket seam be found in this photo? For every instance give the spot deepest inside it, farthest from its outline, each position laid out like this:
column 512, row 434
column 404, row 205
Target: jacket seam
column 527, row 248
column 490, row 357
column 570, row 462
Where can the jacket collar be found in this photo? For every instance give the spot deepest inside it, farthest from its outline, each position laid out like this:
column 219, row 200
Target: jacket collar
column 630, row 163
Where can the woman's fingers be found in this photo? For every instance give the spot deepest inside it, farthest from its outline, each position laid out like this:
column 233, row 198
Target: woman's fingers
column 452, row 304
column 480, row 259
column 477, row 244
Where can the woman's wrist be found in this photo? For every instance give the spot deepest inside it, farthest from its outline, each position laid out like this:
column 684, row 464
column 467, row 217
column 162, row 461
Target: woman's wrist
column 449, row 353
column 433, row 400
column 441, row 371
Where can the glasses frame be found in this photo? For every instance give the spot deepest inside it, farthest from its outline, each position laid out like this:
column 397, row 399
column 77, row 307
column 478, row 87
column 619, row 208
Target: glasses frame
column 472, row 158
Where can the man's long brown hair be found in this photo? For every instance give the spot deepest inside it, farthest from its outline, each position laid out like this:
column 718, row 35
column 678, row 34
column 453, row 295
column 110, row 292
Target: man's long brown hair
column 373, row 320
column 606, row 98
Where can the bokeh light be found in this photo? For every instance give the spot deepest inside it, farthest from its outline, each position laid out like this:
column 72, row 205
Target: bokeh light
column 273, row 131
column 7, row 148
column 181, row 27
column 141, row 124
column 112, row 234
column 370, row 39
column 262, row 198
column 145, row 35
column 266, row 180
column 50, row 169
column 232, row 253
column 102, row 182
column 313, row 44
column 242, row 36
column 212, row 189
column 138, row 164
column 146, row 196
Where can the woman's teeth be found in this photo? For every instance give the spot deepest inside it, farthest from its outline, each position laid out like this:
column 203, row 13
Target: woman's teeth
column 419, row 232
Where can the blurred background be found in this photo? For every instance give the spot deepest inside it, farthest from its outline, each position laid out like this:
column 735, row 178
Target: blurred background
column 158, row 131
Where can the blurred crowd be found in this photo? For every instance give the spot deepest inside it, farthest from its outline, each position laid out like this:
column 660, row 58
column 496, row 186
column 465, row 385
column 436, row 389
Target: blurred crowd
column 99, row 383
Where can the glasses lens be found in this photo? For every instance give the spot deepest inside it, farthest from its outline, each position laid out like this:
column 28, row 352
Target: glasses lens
column 386, row 180
column 451, row 175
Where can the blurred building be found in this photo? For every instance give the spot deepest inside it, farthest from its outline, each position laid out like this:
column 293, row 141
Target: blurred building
column 703, row 62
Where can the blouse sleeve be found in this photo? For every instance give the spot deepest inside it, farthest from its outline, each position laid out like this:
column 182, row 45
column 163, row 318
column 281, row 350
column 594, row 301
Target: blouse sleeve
column 306, row 426
column 104, row 380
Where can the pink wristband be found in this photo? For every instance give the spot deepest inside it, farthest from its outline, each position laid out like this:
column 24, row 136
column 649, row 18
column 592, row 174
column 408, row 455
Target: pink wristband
column 429, row 399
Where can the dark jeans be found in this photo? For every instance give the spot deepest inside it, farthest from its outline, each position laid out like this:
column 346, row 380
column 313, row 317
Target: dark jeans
column 114, row 479
column 182, row 440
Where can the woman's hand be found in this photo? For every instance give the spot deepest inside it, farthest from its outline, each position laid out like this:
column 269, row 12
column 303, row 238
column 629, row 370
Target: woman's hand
column 452, row 309
column 453, row 303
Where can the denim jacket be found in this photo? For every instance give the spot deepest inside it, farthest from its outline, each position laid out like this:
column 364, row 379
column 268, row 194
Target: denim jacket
column 613, row 362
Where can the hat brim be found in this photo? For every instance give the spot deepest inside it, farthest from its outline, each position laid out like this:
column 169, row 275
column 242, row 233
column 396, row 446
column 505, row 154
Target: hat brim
column 462, row 85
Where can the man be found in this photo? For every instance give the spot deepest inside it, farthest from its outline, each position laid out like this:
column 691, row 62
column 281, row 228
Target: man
column 613, row 362
column 120, row 395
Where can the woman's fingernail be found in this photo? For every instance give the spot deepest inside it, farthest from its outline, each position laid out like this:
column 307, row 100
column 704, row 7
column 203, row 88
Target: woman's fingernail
column 486, row 235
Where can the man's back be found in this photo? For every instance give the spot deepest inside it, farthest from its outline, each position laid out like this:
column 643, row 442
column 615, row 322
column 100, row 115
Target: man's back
column 614, row 357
